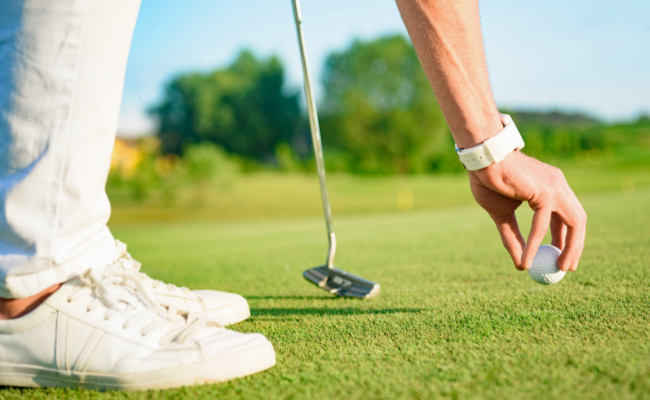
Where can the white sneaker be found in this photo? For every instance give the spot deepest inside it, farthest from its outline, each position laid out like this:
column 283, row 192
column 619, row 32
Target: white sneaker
column 105, row 330
column 224, row 308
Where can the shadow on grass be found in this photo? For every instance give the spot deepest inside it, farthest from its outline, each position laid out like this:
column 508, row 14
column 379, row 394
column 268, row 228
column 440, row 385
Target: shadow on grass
column 282, row 312
column 292, row 297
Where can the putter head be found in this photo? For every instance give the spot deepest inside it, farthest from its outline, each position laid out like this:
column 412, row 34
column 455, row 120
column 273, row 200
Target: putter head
column 341, row 283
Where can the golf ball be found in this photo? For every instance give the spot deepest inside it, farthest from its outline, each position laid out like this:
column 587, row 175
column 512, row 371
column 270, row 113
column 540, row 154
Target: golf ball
column 544, row 269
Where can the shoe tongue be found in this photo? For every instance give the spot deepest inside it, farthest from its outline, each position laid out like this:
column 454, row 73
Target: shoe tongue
column 127, row 298
column 128, row 264
column 123, row 292
column 131, row 302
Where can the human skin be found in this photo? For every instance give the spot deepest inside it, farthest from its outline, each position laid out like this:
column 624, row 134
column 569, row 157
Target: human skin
column 15, row 308
column 448, row 40
column 447, row 37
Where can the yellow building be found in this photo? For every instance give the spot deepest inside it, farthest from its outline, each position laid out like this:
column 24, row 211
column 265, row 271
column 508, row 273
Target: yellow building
column 127, row 155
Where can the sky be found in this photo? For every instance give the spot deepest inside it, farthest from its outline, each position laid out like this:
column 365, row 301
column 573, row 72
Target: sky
column 590, row 56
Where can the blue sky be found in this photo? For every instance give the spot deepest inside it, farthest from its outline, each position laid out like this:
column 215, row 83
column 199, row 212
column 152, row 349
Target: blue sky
column 591, row 56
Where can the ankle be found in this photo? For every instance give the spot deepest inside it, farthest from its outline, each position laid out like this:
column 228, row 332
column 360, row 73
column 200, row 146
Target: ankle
column 15, row 308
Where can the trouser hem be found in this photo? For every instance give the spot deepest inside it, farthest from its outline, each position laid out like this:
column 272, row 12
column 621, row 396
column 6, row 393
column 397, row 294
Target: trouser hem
column 48, row 273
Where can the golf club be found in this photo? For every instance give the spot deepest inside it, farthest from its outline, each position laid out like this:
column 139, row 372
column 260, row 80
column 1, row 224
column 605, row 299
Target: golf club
column 327, row 277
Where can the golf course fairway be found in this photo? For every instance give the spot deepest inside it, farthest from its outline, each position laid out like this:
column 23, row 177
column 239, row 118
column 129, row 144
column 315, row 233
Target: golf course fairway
column 454, row 318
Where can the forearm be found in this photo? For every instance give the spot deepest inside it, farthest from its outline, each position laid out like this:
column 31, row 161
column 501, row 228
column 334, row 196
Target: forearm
column 447, row 37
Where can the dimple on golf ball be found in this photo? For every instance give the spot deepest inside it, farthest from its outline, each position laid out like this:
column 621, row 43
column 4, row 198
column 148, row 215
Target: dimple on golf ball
column 544, row 269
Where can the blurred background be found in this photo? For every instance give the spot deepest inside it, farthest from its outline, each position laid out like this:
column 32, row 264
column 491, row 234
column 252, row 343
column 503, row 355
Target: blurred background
column 213, row 124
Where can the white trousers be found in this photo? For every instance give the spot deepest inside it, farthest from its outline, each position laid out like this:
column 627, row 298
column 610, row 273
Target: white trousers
column 62, row 65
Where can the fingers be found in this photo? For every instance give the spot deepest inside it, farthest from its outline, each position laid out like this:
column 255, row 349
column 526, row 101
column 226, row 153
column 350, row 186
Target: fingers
column 511, row 237
column 501, row 189
column 558, row 231
column 575, row 242
column 541, row 221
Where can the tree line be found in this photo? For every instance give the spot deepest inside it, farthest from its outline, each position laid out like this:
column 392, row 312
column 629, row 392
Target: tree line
column 378, row 115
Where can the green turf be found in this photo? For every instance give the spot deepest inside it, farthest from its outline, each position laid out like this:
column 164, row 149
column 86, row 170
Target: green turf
column 284, row 195
column 454, row 319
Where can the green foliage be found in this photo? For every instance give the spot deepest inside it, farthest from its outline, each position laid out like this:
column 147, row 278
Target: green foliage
column 379, row 110
column 152, row 172
column 242, row 108
column 206, row 162
column 558, row 135
column 287, row 158
column 378, row 115
column 206, row 165
column 202, row 165
column 145, row 179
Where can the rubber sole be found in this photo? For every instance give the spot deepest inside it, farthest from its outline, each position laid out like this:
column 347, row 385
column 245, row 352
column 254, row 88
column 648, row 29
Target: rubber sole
column 227, row 367
column 230, row 314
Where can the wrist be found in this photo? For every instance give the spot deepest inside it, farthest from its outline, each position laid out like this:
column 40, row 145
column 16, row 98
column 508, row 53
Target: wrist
column 494, row 149
column 477, row 130
column 497, row 170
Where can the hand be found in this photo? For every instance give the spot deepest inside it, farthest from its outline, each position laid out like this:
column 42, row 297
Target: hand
column 501, row 188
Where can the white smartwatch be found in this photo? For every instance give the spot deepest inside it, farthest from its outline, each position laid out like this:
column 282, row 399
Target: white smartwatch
column 494, row 149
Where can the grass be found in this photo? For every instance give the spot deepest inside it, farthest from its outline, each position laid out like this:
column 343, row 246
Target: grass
column 281, row 196
column 454, row 320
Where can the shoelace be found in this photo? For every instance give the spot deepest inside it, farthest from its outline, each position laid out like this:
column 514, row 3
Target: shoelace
column 108, row 283
column 128, row 263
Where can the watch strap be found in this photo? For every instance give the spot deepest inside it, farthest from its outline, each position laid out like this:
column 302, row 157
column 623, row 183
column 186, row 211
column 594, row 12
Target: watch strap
column 494, row 149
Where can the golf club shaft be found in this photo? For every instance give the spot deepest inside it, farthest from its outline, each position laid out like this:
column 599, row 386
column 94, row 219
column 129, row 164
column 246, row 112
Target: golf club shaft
column 315, row 137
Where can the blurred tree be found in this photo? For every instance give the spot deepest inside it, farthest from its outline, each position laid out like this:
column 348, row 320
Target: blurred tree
column 557, row 134
column 206, row 162
column 379, row 114
column 287, row 159
column 242, row 108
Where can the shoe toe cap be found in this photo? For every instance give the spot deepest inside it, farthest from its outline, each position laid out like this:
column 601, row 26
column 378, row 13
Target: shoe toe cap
column 212, row 299
column 227, row 342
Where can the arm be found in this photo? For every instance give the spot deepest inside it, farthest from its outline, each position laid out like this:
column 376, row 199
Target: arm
column 447, row 37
